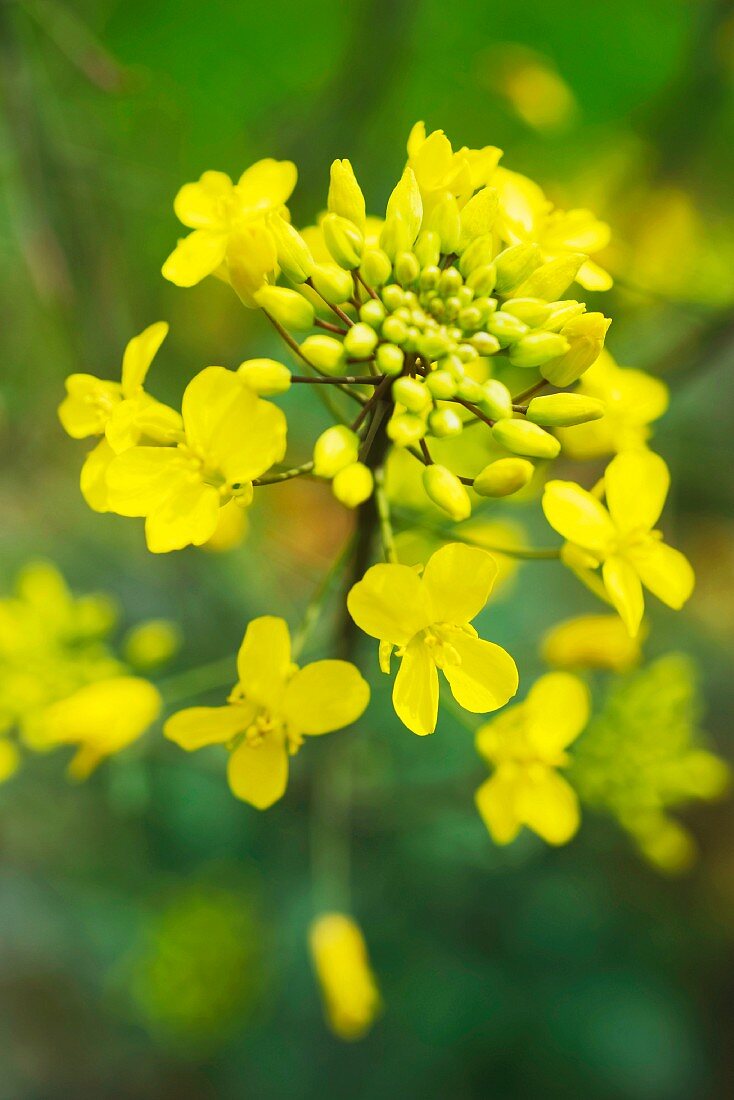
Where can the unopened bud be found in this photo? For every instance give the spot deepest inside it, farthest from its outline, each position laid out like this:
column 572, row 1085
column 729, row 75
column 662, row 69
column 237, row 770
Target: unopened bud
column 515, row 264
column 506, row 328
column 376, row 267
column 288, row 307
column 561, row 313
column 372, row 313
column 265, row 376
column 470, row 390
column 406, row 203
column 393, row 296
column 563, row 410
column 550, row 280
column 450, row 282
column 503, row 477
column 394, row 330
column 445, row 220
column 434, row 345
column 335, row 448
column 496, row 399
column 390, row 358
column 484, row 343
column 441, row 384
column 411, row 393
column 353, row 485
column 477, row 216
column 332, row 282
column 479, row 253
column 482, row 279
column 532, row 311
column 585, row 335
column 428, row 248
column 343, row 239
column 407, row 268
column 445, row 422
column 523, row 438
column 537, row 348
column 445, row 490
column 324, row 353
column 360, row 341
column 294, row 255
column 345, row 194
column 405, row 429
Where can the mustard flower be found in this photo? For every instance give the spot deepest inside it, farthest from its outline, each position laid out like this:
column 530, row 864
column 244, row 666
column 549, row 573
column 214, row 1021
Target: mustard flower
column 428, row 618
column 231, row 437
column 621, row 537
column 591, row 641
column 274, row 705
column 342, row 965
column 525, row 746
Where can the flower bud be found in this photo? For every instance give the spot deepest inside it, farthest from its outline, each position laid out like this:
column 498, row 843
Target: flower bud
column 524, row 438
column 265, row 376
column 324, row 352
column 353, row 485
column 288, row 307
column 372, row 312
column 393, row 296
column 496, row 399
column 406, row 204
column 479, row 253
column 335, row 449
column 537, row 348
column 434, row 345
column 506, row 328
column 561, row 313
column 349, row 990
column 411, row 393
column 585, row 334
column 407, row 268
column 563, row 410
column 450, row 282
column 503, row 477
column 360, row 341
column 445, row 220
column 445, row 422
column 405, row 429
column 428, row 248
column 332, row 282
column 390, row 358
column 375, row 268
column 446, row 491
column 485, row 344
column 470, row 318
column 550, row 280
column 477, row 216
column 470, row 390
column 515, row 264
column 294, row 255
column 441, row 384
column 532, row 311
column 345, row 194
column 343, row 240
column 482, row 279
column 394, row 330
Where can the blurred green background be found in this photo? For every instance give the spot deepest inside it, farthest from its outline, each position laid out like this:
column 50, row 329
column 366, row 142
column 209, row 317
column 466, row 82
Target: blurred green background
column 153, row 928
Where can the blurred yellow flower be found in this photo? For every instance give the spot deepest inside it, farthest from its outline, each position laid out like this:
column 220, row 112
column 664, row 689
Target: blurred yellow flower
column 531, row 85
column 525, row 746
column 428, row 619
column 591, row 641
column 348, row 986
column 151, row 644
column 274, row 705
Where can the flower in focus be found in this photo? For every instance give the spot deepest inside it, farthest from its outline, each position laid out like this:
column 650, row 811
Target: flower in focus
column 228, row 223
column 591, row 641
column 620, row 538
column 428, row 619
column 340, row 958
column 525, row 746
column 231, row 437
column 274, row 705
column 441, row 171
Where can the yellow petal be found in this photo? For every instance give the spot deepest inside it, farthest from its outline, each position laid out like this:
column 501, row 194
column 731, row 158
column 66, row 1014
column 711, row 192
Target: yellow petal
column 625, row 591
column 258, row 774
column 139, row 354
column 195, row 257
column 249, row 439
column 266, row 185
column 139, row 480
column 548, row 805
column 202, row 205
column 252, row 257
column 495, row 801
column 87, row 405
column 107, row 714
column 636, row 484
column 593, row 277
column 187, row 517
column 325, row 696
column 138, row 417
column 93, row 479
column 556, row 711
column 264, row 661
column 196, row 727
column 665, row 571
column 486, row 677
column 578, row 516
column 415, row 692
column 208, row 397
column 577, row 230
column 431, row 157
column 458, row 580
column 390, row 603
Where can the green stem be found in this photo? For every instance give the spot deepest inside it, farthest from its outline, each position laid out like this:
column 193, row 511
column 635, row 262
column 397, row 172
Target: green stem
column 295, row 348
column 316, row 604
column 285, row 475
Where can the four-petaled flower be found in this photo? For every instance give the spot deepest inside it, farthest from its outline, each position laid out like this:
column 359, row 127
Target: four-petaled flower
column 428, row 619
column 620, row 537
column 272, row 708
column 525, row 745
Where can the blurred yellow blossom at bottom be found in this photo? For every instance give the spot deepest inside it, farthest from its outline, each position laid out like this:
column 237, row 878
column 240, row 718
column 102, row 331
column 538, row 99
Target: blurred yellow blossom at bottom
column 342, row 965
column 591, row 641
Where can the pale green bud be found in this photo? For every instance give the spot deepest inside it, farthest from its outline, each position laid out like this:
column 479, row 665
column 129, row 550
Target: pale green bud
column 428, row 248
column 429, row 277
column 442, row 384
column 532, row 311
column 395, row 237
column 149, row 645
column 407, row 268
column 294, row 255
column 434, row 345
column 332, row 282
column 393, row 296
column 470, row 390
column 345, row 194
column 325, row 353
column 479, row 253
column 482, row 279
column 406, row 429
column 343, row 239
column 478, row 216
column 514, row 265
column 372, row 313
column 537, row 348
column 390, row 358
column 503, row 477
column 524, row 438
column 488, row 306
column 467, row 352
column 353, row 485
column 288, row 307
column 450, row 282
column 550, row 280
column 585, row 335
column 335, row 448
column 375, row 268
column 445, row 490
column 496, row 399
column 360, row 341
column 265, row 376
column 411, row 393
column 445, row 220
column 445, row 422
column 453, row 365
column 561, row 313
column 506, row 328
column 406, row 203
column 470, row 318
column 563, row 410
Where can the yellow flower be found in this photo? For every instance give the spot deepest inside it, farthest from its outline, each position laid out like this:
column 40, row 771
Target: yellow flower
column 439, row 170
column 632, row 401
column 219, row 212
column 350, row 993
column 591, row 641
column 100, row 718
column 526, row 215
column 525, row 746
column 620, row 538
column 270, row 710
column 428, row 619
column 231, row 437
column 121, row 411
